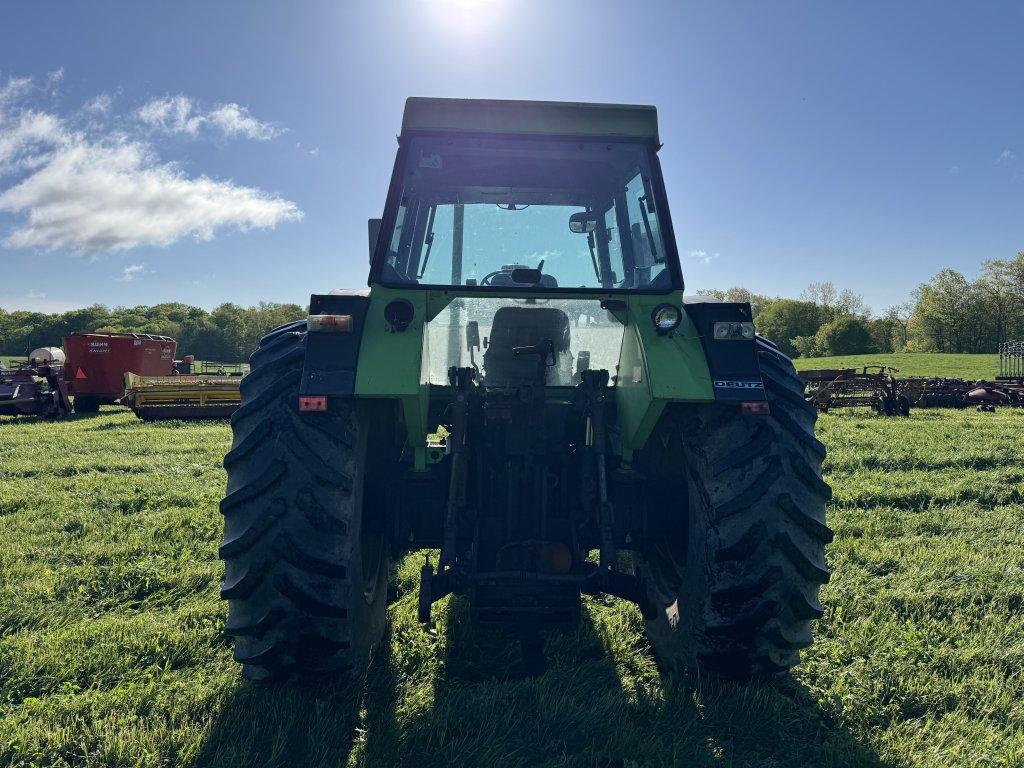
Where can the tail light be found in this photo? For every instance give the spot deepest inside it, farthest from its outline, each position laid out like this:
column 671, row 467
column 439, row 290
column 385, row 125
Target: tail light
column 312, row 403
column 330, row 323
column 733, row 332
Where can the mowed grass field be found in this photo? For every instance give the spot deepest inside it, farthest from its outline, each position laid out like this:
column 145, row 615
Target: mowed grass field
column 971, row 367
column 112, row 651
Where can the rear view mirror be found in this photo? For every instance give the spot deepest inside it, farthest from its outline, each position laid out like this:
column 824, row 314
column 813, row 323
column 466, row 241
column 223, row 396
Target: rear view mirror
column 583, row 223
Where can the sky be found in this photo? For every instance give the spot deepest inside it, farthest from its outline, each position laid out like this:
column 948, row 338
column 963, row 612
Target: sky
column 206, row 152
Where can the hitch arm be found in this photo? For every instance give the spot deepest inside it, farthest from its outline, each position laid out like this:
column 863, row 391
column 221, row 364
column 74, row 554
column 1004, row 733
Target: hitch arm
column 594, row 384
column 461, row 380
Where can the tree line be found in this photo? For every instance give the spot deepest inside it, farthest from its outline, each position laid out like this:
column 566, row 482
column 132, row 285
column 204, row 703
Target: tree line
column 228, row 334
column 949, row 313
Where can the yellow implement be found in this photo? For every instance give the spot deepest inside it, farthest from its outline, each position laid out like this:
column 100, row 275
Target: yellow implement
column 182, row 397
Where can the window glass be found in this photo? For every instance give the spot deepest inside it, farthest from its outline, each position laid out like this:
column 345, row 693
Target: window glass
column 566, row 215
column 582, row 334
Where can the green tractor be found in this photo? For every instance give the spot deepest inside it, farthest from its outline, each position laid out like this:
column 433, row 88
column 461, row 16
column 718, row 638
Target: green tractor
column 524, row 391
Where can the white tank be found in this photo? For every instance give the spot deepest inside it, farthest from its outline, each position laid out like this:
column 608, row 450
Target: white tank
column 46, row 356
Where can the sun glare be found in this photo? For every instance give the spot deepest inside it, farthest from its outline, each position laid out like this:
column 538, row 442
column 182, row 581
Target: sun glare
column 466, row 5
column 465, row 16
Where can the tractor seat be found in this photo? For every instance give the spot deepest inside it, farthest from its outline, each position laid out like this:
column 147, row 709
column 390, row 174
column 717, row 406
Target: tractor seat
column 521, row 327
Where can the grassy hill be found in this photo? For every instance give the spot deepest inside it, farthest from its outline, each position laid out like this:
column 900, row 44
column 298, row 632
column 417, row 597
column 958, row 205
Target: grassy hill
column 914, row 364
column 112, row 650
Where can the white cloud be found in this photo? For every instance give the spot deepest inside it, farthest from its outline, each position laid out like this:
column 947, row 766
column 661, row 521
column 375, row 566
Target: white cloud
column 12, row 90
column 26, row 138
column 702, row 256
column 100, row 103
column 202, row 282
column 233, row 120
column 171, row 114
column 85, row 188
column 93, row 197
column 532, row 259
column 954, row 170
column 180, row 114
column 131, row 272
column 35, row 301
column 1006, row 156
column 14, row 87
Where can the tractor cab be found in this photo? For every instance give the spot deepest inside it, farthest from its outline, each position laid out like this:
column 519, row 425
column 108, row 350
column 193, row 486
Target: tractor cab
column 529, row 228
column 520, row 213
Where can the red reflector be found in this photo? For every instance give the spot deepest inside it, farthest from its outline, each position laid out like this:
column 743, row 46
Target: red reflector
column 80, row 374
column 330, row 323
column 315, row 403
column 756, row 408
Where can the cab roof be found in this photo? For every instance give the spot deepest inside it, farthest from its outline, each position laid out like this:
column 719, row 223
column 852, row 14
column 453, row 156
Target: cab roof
column 557, row 118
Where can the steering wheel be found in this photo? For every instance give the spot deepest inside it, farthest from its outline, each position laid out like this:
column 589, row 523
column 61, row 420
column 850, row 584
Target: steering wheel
column 486, row 279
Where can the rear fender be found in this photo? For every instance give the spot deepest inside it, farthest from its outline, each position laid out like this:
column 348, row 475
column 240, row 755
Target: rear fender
column 685, row 366
column 374, row 360
column 332, row 357
column 735, row 373
column 655, row 369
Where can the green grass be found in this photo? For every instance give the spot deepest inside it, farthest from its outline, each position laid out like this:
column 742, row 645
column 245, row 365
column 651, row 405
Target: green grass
column 112, row 651
column 914, row 364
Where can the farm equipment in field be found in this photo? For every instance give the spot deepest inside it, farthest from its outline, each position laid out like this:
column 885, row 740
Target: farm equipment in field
column 1011, row 361
column 872, row 386
column 878, row 388
column 36, row 387
column 97, row 363
column 456, row 406
column 1006, row 390
column 936, row 391
column 208, row 368
column 183, row 396
column 993, row 393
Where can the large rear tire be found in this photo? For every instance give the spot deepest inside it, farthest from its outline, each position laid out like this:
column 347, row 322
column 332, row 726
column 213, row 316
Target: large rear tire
column 305, row 560
column 737, row 592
